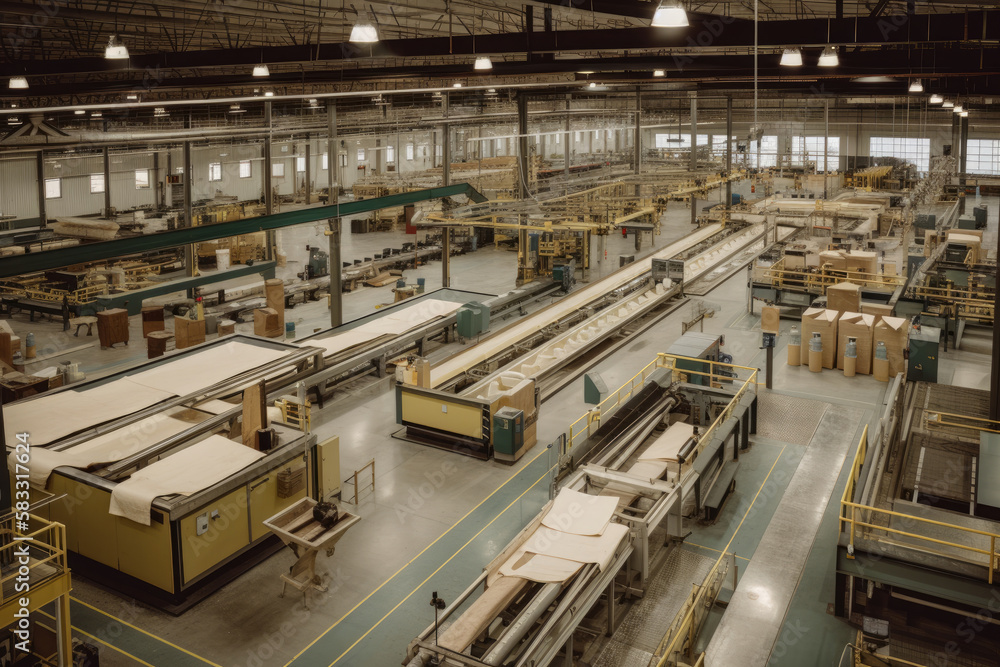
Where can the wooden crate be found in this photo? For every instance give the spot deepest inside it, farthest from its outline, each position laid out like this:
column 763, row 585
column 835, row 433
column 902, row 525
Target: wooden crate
column 112, row 326
column 188, row 332
column 152, row 320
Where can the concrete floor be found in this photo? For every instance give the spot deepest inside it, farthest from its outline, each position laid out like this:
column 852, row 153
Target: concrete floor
column 436, row 518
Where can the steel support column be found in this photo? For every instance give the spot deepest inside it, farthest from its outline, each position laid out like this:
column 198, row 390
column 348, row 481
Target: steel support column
column 826, row 146
column 729, row 152
column 40, row 172
column 637, row 139
column 336, row 277
column 268, row 194
column 445, row 257
column 159, row 189
column 308, row 171
column 446, row 141
column 332, row 153
column 107, row 181
column 694, row 134
column 190, row 256
column 567, row 153
column 522, row 145
column 962, row 165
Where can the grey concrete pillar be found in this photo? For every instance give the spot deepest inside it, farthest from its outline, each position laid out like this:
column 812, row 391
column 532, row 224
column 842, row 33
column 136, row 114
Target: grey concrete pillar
column 107, row 181
column 729, row 152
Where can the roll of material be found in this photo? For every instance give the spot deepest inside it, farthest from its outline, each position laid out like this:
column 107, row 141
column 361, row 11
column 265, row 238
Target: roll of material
column 222, row 259
column 815, row 360
column 795, row 355
column 850, row 366
column 880, row 369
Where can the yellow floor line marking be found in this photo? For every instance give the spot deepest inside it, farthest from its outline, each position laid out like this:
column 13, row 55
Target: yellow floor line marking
column 148, row 634
column 440, row 567
column 396, row 573
column 692, row 544
column 752, row 502
column 98, row 639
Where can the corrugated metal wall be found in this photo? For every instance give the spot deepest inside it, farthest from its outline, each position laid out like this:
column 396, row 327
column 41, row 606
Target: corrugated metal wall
column 19, row 188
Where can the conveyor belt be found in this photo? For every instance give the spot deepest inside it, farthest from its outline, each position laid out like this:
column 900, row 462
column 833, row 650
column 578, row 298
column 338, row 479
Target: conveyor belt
column 479, row 353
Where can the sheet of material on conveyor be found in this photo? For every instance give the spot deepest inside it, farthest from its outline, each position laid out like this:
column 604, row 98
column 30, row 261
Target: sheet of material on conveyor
column 495, row 344
column 394, row 323
column 190, row 373
column 552, row 556
column 50, row 417
column 183, row 473
column 668, row 445
column 111, row 447
column 481, row 613
column 579, row 513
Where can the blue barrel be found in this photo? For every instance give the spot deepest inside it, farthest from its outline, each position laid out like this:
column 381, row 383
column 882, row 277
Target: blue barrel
column 289, row 329
column 401, row 283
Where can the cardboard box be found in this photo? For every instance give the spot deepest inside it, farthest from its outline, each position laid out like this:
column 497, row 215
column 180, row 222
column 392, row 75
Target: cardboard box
column 861, row 327
column 267, row 323
column 863, row 261
column 834, row 258
column 879, row 310
column 844, row 297
column 824, row 322
column 894, row 332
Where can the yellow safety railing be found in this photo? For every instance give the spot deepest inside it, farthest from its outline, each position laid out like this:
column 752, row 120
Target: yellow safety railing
column 716, row 379
column 859, row 653
column 936, row 419
column 46, row 546
column 860, row 520
column 683, row 631
column 817, row 282
column 590, row 421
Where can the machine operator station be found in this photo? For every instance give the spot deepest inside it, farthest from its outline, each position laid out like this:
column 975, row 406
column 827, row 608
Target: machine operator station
column 487, row 333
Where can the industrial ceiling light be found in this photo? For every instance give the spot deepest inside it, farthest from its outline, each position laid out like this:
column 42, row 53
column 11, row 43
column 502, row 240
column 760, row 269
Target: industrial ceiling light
column 261, row 70
column 964, row 114
column 17, row 83
column 947, row 105
column 791, row 57
column 115, row 50
column 457, row 84
column 957, row 108
column 132, row 97
column 364, row 31
column 96, row 114
column 829, row 57
column 592, row 85
column 235, row 108
column 268, row 93
column 916, row 86
column 936, row 99
column 670, row 14
column 79, row 112
column 659, row 72
column 483, row 63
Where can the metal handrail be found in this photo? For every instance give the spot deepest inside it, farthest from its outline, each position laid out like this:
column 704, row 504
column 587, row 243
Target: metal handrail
column 48, row 541
column 933, row 418
column 850, row 521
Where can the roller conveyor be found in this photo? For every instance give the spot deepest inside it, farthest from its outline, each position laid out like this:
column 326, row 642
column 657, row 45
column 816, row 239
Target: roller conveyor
column 521, row 622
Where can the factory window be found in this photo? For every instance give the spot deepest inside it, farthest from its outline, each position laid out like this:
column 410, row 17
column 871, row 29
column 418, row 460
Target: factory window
column 361, row 155
column 409, row 151
column 719, row 146
column 768, row 152
column 558, row 139
column 916, row 151
column 300, row 164
column 96, row 183
column 245, row 168
column 326, row 160
column 214, row 171
column 984, row 157
column 53, row 188
column 141, row 179
column 390, row 154
column 438, row 150
column 579, row 137
column 500, row 145
column 810, row 149
column 278, row 170
column 343, row 159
